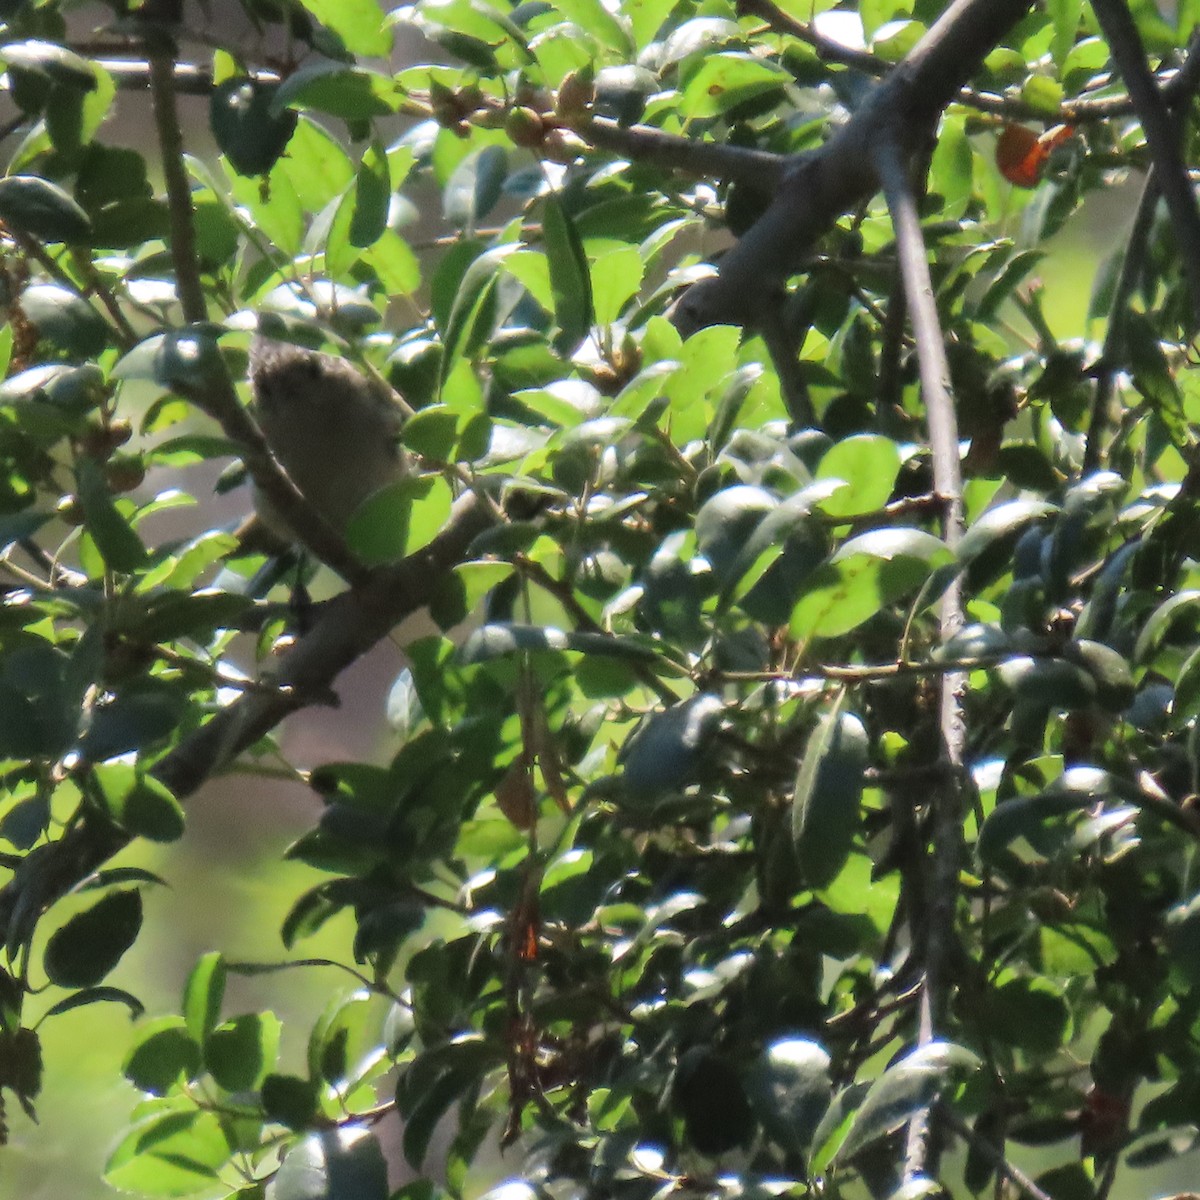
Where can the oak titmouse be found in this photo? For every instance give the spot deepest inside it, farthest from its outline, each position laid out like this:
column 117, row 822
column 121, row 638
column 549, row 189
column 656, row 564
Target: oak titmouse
column 332, row 430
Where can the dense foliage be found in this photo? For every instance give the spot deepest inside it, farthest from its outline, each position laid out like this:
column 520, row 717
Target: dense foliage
column 767, row 833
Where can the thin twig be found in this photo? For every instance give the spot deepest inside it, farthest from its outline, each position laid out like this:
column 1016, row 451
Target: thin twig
column 868, row 673
column 785, row 354
column 1125, row 45
column 827, row 49
column 942, row 890
column 179, row 192
column 1113, row 353
column 537, row 574
column 760, row 168
column 1013, row 1174
column 128, row 337
column 1180, row 93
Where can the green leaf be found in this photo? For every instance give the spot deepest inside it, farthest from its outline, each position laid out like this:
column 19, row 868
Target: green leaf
column 239, row 1053
column 594, row 18
column 80, row 953
column 1183, row 942
column 41, row 209
column 616, row 277
column 98, row 995
column 334, row 88
column 903, row 1090
column 372, row 197
column 432, row 432
column 1044, row 95
column 726, row 523
column 468, row 315
column 728, row 79
column 53, row 62
column 1180, row 611
column 868, row 466
column 172, row 1153
column 1025, row 818
column 119, row 546
column 163, row 1056
column 203, row 995
column 475, row 186
column 139, row 803
column 359, row 23
column 1030, row 1013
column 1000, row 522
column 570, row 279
column 336, row 1164
column 138, row 714
column 866, row 575
column 1007, row 280
column 829, row 787
column 1153, row 377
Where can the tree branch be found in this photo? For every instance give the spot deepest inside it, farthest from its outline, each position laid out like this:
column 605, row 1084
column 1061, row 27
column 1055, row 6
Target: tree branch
column 818, row 188
column 1013, row 1174
column 941, row 891
column 827, row 49
column 759, row 168
column 349, row 625
column 1125, row 45
column 1113, row 355
column 179, row 192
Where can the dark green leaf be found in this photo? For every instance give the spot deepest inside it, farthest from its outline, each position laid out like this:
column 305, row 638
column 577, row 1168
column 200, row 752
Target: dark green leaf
column 372, row 198
column 336, row 1164
column 829, row 787
column 98, row 995
column 476, row 185
column 663, row 755
column 80, row 953
column 239, row 1053
column 54, row 62
column 790, row 1090
column 41, row 209
column 570, row 279
column 163, row 1056
column 290, row 1100
column 118, row 544
column 251, row 129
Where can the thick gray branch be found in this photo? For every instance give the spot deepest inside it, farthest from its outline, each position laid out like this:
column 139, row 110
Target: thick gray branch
column 820, row 187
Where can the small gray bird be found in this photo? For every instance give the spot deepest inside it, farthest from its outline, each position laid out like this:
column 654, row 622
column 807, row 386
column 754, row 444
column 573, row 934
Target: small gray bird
column 333, row 430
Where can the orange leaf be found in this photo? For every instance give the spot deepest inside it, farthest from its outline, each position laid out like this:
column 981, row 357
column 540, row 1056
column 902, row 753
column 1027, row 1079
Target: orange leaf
column 1021, row 154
